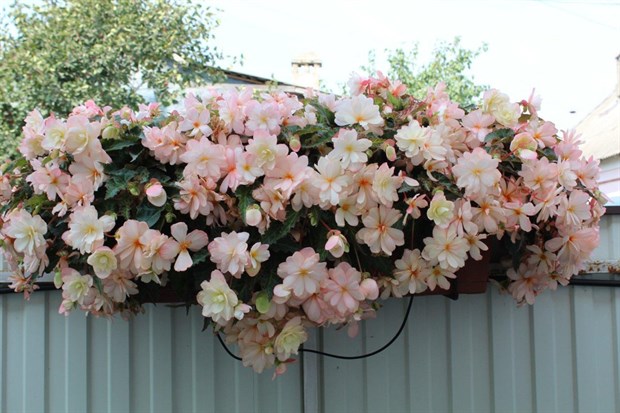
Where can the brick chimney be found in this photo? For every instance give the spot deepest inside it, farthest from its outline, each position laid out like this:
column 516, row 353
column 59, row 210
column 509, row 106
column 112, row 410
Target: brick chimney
column 306, row 68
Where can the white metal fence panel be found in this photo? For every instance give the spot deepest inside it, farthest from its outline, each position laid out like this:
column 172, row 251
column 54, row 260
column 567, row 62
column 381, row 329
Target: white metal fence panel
column 477, row 354
column 158, row 362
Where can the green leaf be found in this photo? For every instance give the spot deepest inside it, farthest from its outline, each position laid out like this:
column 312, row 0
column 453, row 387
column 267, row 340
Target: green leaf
column 118, row 181
column 200, row 256
column 119, row 145
column 278, row 230
column 148, row 213
column 500, row 135
column 244, row 199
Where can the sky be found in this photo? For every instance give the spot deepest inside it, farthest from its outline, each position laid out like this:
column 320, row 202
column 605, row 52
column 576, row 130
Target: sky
column 566, row 49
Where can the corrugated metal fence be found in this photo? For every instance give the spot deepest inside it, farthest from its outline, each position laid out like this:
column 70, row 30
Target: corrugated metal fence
column 477, row 354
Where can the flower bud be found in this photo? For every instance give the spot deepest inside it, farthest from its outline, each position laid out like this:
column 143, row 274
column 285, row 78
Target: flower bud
column 253, row 216
column 111, row 132
column 336, row 244
column 295, row 144
column 370, row 289
column 156, row 193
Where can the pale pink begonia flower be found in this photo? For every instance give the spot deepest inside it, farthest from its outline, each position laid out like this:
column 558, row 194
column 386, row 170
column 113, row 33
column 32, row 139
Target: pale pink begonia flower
column 573, row 245
column 204, row 159
column 231, row 108
column 342, row 289
column 248, row 169
column 358, row 84
column 194, row 241
column 478, row 123
column 88, row 169
column 588, row 172
column 414, row 205
column 229, row 252
column 232, row 175
column 257, row 353
column 262, row 117
column 81, row 135
column 30, row 146
column 440, row 211
column 103, row 260
column 463, row 216
column 197, row 196
column 218, row 301
column 519, row 214
column 167, row 144
column 305, row 195
column 411, row 271
column 476, row 244
column 348, row 149
column 159, row 250
column 265, row 149
column 358, row 109
column 258, row 254
column 272, row 201
column 197, row 122
column 567, row 175
column 288, row 173
column 439, row 276
column 378, row 233
column 48, row 179
column 539, row 174
column 488, row 215
column 433, row 149
column 477, row 172
column 79, row 192
column 543, row 132
column 329, row 180
column 540, row 258
column 119, row 285
column 87, row 229
column 574, row 209
column 27, row 231
column 385, row 185
column 446, row 247
column 525, row 284
column 362, row 186
column 22, row 284
column 289, row 339
column 129, row 248
column 348, row 211
column 302, row 273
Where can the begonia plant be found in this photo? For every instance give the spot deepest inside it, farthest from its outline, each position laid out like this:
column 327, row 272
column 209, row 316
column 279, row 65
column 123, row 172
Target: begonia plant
column 276, row 213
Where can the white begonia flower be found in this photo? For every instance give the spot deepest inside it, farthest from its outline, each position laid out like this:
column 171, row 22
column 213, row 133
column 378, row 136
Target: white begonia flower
column 86, row 229
column 440, row 211
column 218, row 301
column 103, row 261
column 27, row 230
column 290, row 338
column 358, row 109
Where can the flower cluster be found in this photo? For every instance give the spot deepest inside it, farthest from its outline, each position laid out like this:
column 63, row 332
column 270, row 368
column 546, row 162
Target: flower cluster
column 276, row 213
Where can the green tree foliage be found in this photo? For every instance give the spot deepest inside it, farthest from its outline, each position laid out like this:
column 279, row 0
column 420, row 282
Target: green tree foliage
column 57, row 54
column 450, row 64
